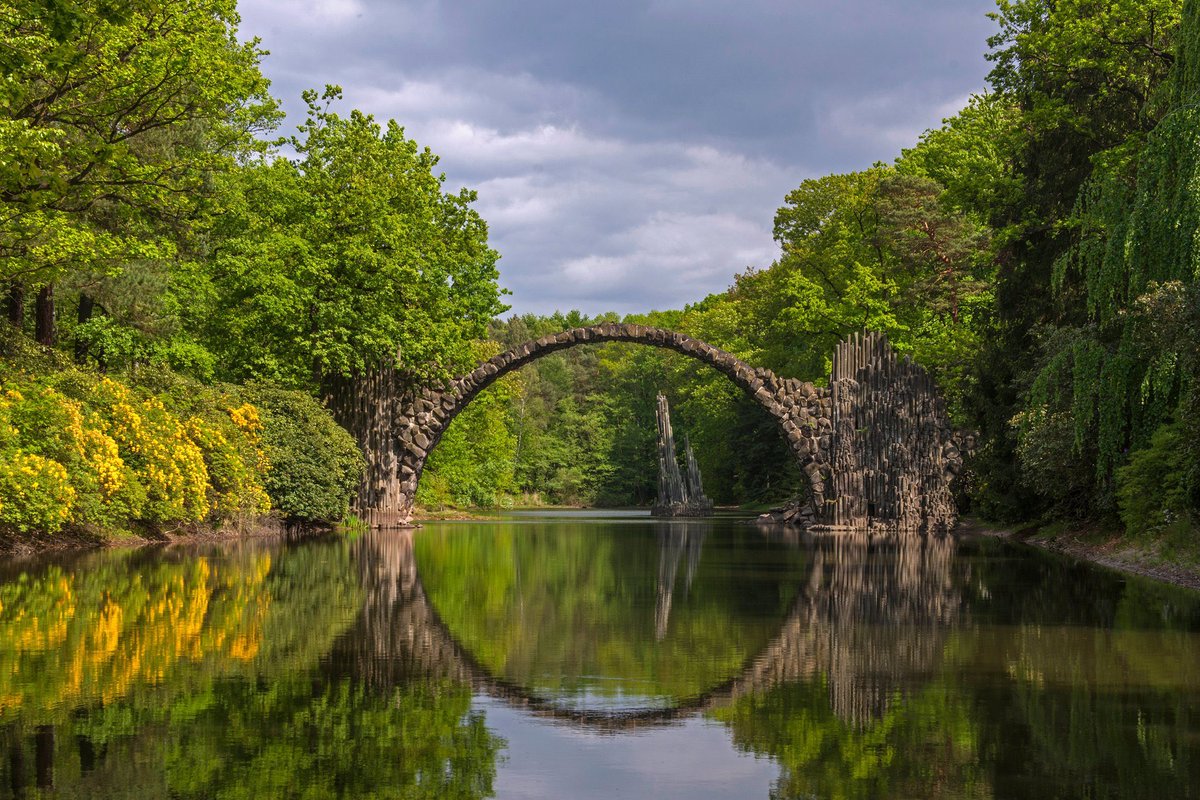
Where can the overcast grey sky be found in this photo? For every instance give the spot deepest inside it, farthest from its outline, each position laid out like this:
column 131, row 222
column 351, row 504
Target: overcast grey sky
column 630, row 154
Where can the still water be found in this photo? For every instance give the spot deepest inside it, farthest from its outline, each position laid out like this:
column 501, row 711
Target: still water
column 584, row 655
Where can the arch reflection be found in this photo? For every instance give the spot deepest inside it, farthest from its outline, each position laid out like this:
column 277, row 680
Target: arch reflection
column 866, row 613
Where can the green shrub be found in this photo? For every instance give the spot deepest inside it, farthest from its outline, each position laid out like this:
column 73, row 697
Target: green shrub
column 85, row 449
column 1051, row 463
column 316, row 466
column 1152, row 489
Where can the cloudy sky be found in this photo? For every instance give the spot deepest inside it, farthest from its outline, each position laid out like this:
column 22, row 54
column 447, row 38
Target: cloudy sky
column 630, row 154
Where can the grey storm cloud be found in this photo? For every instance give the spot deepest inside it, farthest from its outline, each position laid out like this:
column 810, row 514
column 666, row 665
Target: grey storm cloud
column 631, row 155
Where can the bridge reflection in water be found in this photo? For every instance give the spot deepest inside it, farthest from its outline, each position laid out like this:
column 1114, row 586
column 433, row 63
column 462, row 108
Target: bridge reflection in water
column 869, row 618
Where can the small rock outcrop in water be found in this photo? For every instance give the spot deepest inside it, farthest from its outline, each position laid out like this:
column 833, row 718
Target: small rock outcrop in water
column 677, row 496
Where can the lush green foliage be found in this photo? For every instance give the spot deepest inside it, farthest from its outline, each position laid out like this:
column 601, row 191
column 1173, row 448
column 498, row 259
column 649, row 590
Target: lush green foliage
column 315, row 465
column 347, row 257
column 111, row 118
column 135, row 185
column 88, row 450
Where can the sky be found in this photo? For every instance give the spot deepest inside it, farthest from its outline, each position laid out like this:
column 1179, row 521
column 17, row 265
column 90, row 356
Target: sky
column 630, row 155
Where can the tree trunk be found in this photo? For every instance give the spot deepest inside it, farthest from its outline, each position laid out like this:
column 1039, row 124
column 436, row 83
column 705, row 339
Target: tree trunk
column 44, row 331
column 86, row 306
column 15, row 303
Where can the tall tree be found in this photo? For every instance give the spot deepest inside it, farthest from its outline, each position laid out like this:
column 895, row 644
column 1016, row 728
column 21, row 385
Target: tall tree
column 112, row 119
column 1088, row 79
column 345, row 270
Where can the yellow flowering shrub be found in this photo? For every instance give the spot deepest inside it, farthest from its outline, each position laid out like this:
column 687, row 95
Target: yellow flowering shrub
column 235, row 465
column 35, row 493
column 48, row 423
column 168, row 464
column 88, row 450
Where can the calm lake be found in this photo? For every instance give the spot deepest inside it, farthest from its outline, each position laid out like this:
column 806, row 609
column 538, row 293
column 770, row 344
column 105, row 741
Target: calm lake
column 580, row 655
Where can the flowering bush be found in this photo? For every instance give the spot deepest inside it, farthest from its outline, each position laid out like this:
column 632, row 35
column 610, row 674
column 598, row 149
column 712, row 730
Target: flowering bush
column 82, row 449
column 156, row 445
column 109, row 457
column 236, row 464
column 34, row 492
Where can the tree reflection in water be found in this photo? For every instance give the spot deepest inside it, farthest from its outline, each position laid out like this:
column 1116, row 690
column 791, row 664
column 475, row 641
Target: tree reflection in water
column 173, row 702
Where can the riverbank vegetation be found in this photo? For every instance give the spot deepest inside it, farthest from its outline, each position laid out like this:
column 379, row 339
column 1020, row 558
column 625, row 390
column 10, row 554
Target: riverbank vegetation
column 1037, row 252
column 179, row 295
column 152, row 450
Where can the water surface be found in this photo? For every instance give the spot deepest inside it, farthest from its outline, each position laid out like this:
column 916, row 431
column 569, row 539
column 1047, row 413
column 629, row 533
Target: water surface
column 589, row 655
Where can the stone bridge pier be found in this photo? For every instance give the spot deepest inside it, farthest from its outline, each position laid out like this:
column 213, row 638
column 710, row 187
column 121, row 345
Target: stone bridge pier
column 875, row 445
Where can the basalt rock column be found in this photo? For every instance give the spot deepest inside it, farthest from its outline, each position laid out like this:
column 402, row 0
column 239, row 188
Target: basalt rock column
column 695, row 485
column 893, row 451
column 671, row 490
column 676, row 498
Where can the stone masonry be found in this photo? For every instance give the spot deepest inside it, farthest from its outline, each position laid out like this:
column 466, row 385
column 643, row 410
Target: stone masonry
column 875, row 446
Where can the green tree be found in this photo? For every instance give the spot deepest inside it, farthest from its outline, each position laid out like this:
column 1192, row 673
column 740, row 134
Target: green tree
column 347, row 257
column 112, row 120
column 1088, row 78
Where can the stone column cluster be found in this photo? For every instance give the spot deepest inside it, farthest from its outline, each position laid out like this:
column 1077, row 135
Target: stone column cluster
column 677, row 496
column 894, row 454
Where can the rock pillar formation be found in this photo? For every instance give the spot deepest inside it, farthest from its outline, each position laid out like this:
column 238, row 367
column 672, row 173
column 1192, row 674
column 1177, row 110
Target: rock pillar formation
column 677, row 497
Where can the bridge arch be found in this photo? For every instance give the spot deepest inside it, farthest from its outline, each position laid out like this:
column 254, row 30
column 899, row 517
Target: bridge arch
column 418, row 419
column 875, row 445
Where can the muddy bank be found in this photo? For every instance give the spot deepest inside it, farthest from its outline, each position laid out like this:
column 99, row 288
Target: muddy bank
column 1114, row 552
column 15, row 546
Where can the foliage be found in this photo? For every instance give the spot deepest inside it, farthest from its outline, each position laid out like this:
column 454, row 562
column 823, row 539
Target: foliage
column 1152, row 488
column 471, row 465
column 315, row 465
column 86, row 450
column 113, row 118
column 1091, row 82
column 1132, row 264
column 34, row 493
column 349, row 256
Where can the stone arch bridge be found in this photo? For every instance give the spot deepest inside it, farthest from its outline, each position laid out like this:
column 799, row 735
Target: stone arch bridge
column 875, row 444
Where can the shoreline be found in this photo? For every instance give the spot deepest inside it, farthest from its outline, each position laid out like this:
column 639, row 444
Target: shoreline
column 17, row 547
column 1113, row 551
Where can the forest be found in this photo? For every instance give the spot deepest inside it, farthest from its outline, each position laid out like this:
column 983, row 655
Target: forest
column 185, row 284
